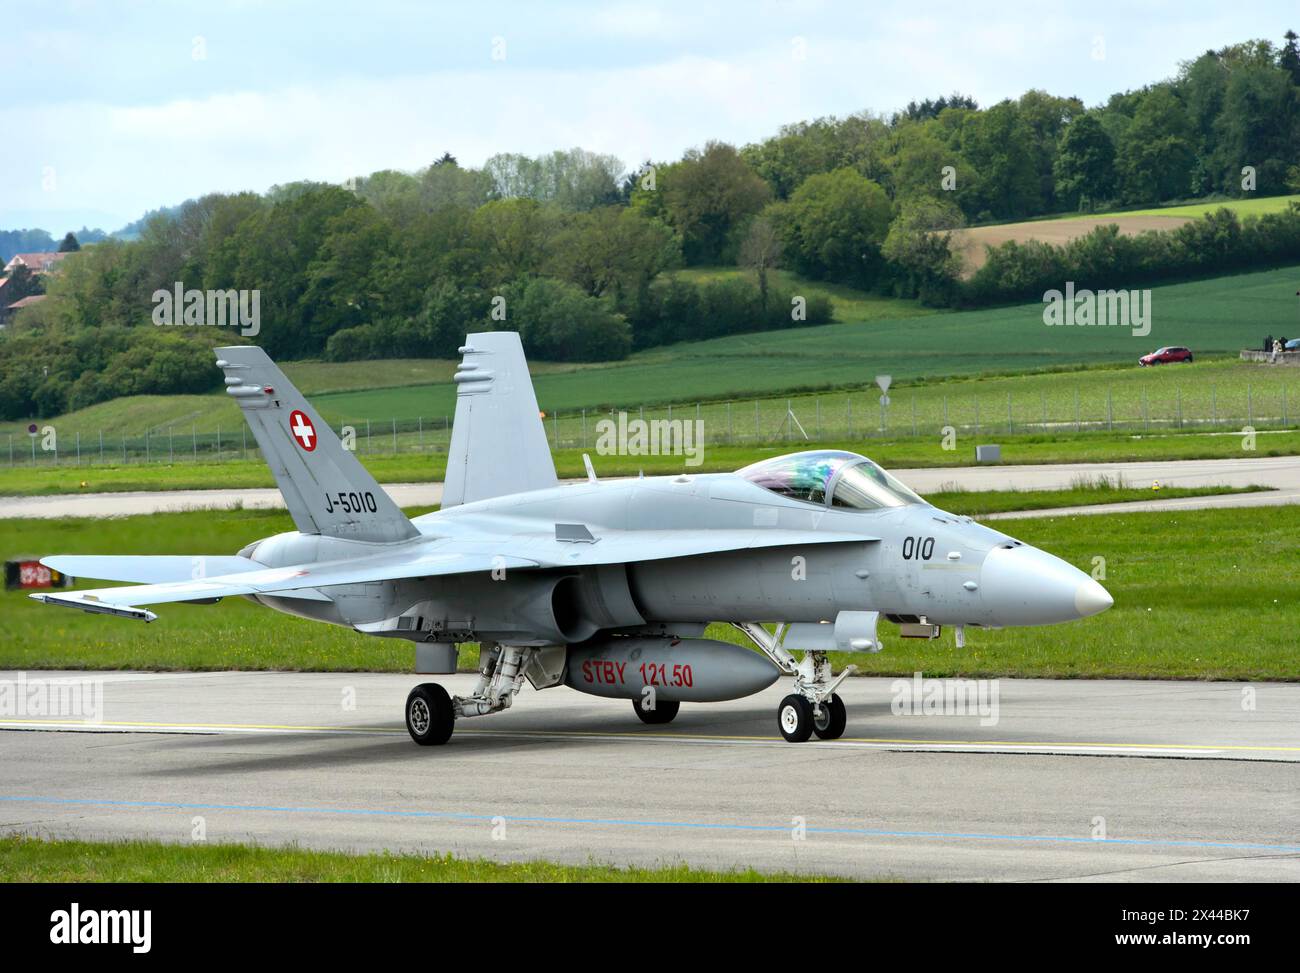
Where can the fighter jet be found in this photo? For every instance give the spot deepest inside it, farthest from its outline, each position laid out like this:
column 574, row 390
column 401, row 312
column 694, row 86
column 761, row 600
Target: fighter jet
column 603, row 586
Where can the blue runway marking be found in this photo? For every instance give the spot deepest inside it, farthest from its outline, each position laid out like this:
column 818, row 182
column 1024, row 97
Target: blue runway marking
column 634, row 823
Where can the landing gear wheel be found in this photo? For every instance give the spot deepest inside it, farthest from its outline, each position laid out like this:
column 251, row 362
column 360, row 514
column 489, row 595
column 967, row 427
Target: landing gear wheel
column 429, row 715
column 664, row 711
column 830, row 724
column 795, row 717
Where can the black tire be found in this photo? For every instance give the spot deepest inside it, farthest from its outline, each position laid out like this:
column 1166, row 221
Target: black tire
column 795, row 718
column 664, row 712
column 1189, row 359
column 833, row 719
column 429, row 715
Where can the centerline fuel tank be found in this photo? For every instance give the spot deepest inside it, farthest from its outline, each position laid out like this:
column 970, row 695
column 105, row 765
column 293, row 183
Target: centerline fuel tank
column 679, row 670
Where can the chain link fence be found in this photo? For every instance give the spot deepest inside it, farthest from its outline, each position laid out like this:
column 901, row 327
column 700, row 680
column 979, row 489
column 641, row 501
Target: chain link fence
column 858, row 416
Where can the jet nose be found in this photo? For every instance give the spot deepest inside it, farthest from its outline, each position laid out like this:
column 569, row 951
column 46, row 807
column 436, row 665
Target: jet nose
column 1025, row 586
column 1091, row 598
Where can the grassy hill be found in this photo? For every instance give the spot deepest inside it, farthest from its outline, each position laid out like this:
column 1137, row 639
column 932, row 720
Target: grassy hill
column 1217, row 316
column 1251, row 206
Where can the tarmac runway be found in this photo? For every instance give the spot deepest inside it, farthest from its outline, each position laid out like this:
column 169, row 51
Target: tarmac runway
column 1044, row 780
column 1280, row 473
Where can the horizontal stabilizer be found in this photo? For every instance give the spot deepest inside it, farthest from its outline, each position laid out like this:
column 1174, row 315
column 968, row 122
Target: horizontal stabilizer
column 149, row 569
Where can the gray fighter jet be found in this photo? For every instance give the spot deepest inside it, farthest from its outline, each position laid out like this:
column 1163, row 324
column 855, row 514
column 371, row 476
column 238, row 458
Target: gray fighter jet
column 603, row 586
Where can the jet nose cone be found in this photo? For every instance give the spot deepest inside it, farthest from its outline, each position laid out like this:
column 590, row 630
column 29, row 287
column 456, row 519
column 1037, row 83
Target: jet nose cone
column 1025, row 586
column 1091, row 598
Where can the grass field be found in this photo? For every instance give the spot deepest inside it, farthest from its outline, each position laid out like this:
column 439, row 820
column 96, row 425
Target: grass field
column 890, row 451
column 1218, row 316
column 1198, row 595
column 848, row 304
column 30, row 859
column 1252, row 206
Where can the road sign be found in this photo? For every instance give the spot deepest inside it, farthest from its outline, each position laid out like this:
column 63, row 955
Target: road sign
column 884, row 381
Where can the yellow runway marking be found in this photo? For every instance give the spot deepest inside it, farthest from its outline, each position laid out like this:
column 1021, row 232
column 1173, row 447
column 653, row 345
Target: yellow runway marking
column 145, row 726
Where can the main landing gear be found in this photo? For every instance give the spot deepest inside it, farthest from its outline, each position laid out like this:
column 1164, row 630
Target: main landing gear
column 431, row 714
column 430, row 717
column 663, row 711
column 813, row 707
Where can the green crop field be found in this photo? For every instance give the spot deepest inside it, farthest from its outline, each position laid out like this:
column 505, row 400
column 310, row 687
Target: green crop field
column 848, row 303
column 1213, row 317
column 1253, row 206
column 1198, row 595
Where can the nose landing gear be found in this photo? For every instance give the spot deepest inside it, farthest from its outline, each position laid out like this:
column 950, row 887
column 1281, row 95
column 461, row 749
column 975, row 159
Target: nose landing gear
column 813, row 707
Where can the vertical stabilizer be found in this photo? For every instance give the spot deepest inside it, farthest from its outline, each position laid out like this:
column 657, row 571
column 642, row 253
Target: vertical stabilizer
column 325, row 487
column 498, row 442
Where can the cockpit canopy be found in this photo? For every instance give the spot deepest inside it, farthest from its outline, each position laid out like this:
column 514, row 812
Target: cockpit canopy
column 830, row 478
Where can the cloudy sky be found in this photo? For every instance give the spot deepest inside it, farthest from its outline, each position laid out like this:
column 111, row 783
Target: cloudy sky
column 113, row 108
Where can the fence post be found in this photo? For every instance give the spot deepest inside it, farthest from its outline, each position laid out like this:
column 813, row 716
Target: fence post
column 1110, row 411
column 1009, row 422
column 1250, row 406
column 1178, row 389
column 146, row 445
column 194, row 442
column 394, row 435
column 584, row 428
column 78, row 447
column 1076, row 408
column 913, row 397
column 977, row 416
column 171, row 452
column 419, row 433
column 1214, row 406
column 367, row 435
column 218, row 442
column 757, row 434
column 101, row 447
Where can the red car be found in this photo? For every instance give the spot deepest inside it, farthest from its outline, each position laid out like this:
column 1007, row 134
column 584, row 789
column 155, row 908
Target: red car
column 1166, row 356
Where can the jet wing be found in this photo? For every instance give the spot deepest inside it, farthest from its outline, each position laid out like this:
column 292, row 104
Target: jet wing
column 300, row 580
